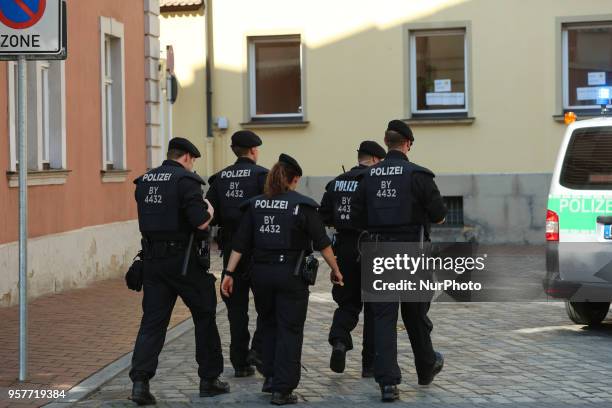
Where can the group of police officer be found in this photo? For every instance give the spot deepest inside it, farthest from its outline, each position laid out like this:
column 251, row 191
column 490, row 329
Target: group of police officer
column 266, row 230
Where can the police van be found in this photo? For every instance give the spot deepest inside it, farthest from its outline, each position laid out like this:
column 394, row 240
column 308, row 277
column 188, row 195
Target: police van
column 579, row 221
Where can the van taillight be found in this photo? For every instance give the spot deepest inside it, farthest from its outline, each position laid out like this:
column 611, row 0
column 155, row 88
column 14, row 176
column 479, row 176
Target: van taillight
column 552, row 226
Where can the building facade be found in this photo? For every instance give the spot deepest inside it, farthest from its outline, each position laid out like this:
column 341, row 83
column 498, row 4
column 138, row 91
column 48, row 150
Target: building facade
column 183, row 24
column 483, row 83
column 92, row 127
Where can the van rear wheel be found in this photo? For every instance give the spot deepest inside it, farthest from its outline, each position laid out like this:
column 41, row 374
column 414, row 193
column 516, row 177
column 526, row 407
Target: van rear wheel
column 589, row 313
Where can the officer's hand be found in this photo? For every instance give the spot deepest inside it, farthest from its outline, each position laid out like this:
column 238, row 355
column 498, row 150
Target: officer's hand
column 336, row 278
column 227, row 286
column 211, row 209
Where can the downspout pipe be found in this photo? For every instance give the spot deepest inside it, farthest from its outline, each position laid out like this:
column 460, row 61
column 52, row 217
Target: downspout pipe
column 208, row 70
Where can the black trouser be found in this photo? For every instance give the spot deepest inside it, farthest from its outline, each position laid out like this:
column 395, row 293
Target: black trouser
column 238, row 314
column 348, row 298
column 418, row 326
column 162, row 283
column 282, row 303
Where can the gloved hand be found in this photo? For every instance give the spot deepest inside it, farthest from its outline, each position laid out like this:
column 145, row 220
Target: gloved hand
column 135, row 275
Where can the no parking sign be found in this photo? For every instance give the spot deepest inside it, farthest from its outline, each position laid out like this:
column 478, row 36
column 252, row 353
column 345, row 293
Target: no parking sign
column 35, row 29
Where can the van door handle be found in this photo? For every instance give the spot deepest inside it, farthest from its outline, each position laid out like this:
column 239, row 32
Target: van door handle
column 602, row 219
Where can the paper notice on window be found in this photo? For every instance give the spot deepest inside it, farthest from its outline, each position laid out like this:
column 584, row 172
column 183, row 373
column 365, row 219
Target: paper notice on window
column 590, row 93
column 442, row 85
column 446, row 98
column 597, row 78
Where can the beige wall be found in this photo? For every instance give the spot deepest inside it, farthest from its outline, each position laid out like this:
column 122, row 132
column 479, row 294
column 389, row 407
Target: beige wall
column 355, row 61
column 185, row 31
column 69, row 260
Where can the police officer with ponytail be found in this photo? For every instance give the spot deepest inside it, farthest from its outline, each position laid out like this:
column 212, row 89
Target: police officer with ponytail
column 279, row 228
column 173, row 218
column 228, row 189
column 397, row 201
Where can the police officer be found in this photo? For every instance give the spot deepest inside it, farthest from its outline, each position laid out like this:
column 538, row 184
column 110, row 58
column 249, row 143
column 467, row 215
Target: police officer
column 228, row 189
column 171, row 208
column 396, row 201
column 336, row 211
column 279, row 227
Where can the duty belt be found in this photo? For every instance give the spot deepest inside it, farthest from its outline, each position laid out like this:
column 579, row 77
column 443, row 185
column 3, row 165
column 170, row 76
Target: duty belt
column 346, row 235
column 162, row 249
column 387, row 237
column 366, row 236
column 348, row 232
column 276, row 258
column 405, row 234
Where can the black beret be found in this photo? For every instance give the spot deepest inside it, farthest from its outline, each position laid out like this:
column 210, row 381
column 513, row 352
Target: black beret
column 245, row 138
column 372, row 148
column 402, row 128
column 185, row 145
column 285, row 158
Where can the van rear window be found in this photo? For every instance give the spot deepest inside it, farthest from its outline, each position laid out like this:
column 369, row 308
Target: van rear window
column 588, row 160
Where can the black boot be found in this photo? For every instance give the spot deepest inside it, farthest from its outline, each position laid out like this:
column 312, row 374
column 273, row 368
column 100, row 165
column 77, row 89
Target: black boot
column 338, row 358
column 437, row 367
column 389, row 393
column 367, row 371
column 210, row 388
column 245, row 371
column 267, row 386
column 282, row 398
column 254, row 360
column 141, row 394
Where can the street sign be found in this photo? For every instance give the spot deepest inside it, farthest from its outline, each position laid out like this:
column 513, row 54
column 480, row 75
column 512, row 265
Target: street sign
column 32, row 28
column 20, row 14
column 170, row 59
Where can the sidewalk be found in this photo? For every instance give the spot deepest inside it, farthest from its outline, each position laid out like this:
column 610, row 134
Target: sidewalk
column 72, row 335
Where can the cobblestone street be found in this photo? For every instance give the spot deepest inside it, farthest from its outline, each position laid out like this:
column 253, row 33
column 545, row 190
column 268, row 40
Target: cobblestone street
column 497, row 355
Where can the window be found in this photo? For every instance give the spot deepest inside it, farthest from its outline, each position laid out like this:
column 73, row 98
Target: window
column 108, row 100
column 275, row 78
column 587, row 162
column 587, row 63
column 454, row 216
column 44, row 107
column 45, row 126
column 12, row 105
column 438, row 73
column 112, row 70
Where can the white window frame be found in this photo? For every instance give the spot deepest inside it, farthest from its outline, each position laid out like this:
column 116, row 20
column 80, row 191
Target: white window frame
column 290, row 38
column 112, row 31
column 413, row 74
column 12, row 114
column 108, row 100
column 42, row 150
column 45, row 128
column 565, row 61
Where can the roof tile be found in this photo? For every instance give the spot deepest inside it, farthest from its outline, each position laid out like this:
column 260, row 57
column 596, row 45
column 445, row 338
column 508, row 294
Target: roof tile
column 180, row 3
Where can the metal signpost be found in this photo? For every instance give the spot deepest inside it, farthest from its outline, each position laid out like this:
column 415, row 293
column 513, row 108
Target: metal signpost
column 171, row 88
column 29, row 30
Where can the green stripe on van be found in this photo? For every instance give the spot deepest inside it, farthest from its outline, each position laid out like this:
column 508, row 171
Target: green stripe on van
column 579, row 213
